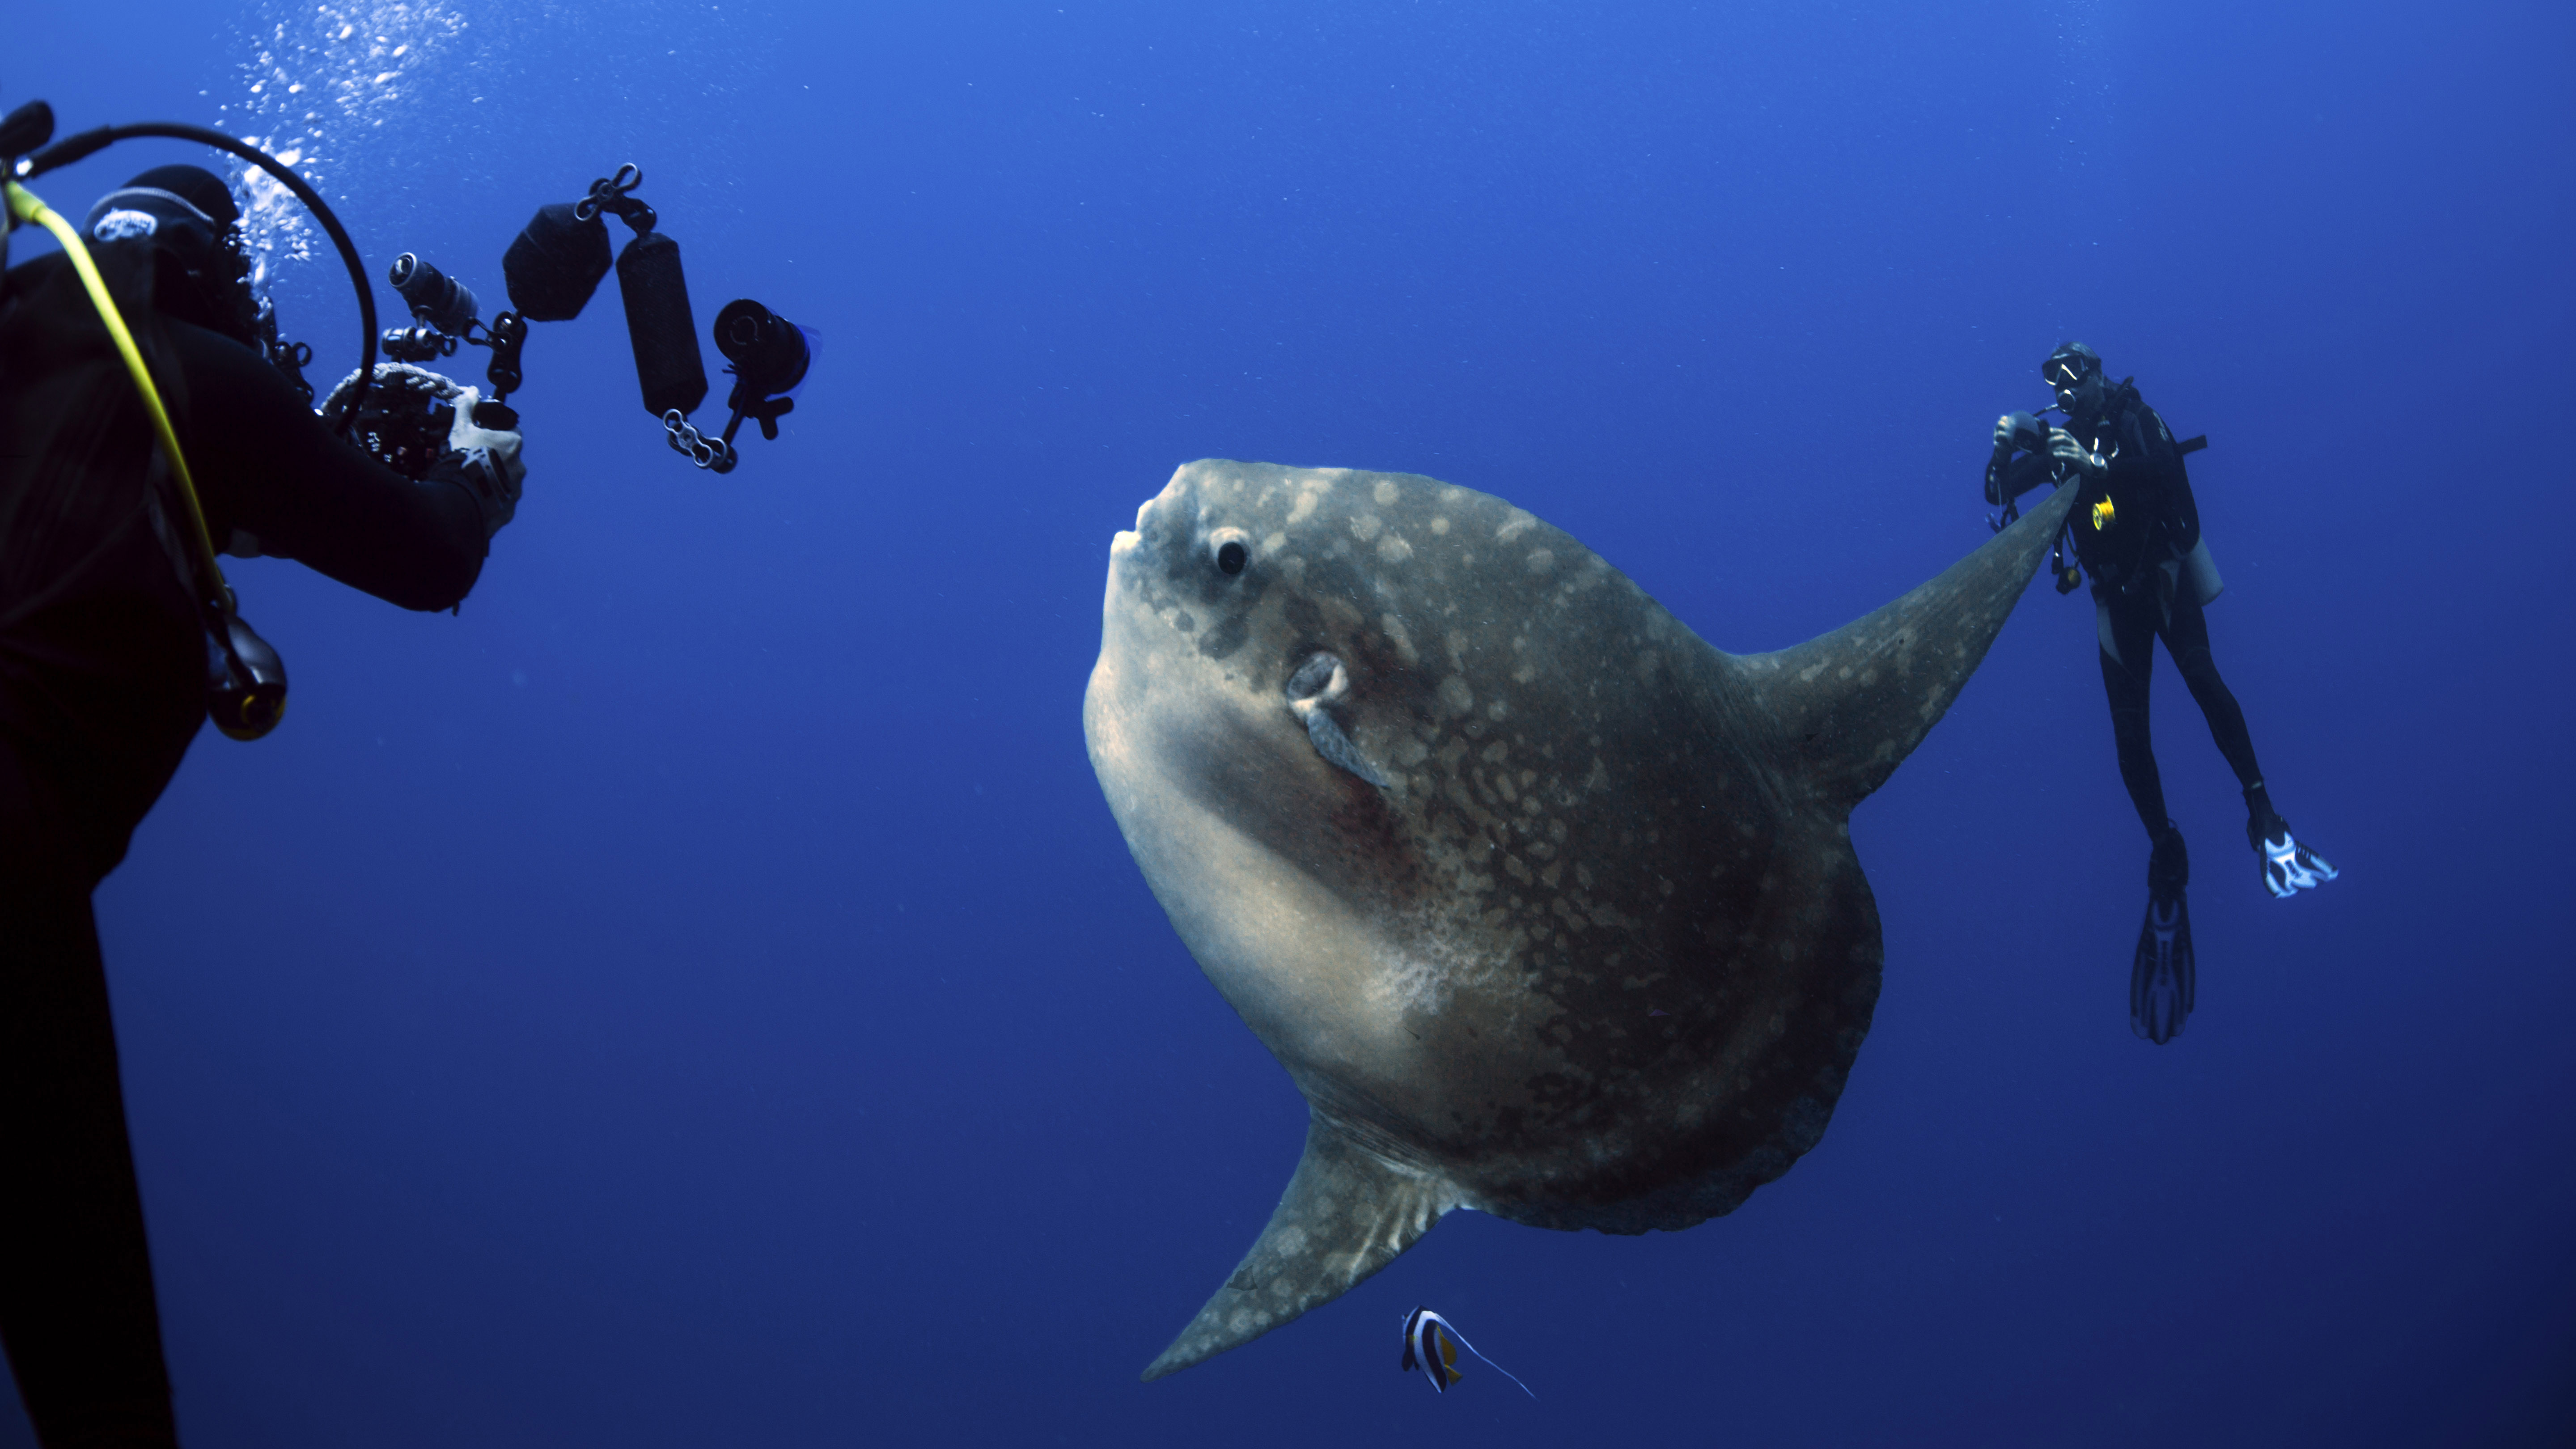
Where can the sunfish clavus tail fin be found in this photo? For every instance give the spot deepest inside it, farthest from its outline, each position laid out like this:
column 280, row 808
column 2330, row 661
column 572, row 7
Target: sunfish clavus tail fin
column 1346, row 1214
column 1851, row 705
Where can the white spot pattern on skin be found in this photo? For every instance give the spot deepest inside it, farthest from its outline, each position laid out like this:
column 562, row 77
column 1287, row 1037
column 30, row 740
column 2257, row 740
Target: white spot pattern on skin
column 1393, row 548
column 1396, row 635
column 1438, row 964
column 1512, row 928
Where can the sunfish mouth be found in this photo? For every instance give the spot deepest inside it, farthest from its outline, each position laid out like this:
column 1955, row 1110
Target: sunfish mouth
column 1127, row 540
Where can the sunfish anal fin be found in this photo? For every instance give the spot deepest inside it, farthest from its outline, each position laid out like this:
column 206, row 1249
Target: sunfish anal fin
column 1346, row 1214
column 1851, row 705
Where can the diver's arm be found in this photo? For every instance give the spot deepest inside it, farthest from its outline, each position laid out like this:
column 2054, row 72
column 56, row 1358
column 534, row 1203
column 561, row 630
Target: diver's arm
column 267, row 466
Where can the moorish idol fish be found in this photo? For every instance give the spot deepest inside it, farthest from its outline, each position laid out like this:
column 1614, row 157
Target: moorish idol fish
column 1432, row 1345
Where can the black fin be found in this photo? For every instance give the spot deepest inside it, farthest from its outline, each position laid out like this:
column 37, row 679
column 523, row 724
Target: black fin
column 2160, row 979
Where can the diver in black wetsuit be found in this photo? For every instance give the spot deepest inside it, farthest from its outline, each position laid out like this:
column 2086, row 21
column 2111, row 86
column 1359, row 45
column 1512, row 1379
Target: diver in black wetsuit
column 2136, row 531
column 104, row 663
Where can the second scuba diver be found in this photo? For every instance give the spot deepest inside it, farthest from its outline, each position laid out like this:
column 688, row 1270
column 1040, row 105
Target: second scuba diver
column 105, row 663
column 2136, row 532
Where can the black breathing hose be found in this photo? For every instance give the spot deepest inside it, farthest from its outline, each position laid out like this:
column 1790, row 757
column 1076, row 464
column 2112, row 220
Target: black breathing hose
column 74, row 148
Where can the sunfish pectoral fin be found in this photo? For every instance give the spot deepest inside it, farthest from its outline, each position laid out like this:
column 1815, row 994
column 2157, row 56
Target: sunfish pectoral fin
column 1852, row 704
column 1346, row 1214
column 1336, row 747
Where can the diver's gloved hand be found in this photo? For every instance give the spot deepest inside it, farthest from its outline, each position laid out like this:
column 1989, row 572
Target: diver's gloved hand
column 2288, row 866
column 2004, row 433
column 484, row 462
column 2063, row 447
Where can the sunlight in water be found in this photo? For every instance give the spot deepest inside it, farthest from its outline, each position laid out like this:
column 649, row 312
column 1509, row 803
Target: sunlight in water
column 320, row 81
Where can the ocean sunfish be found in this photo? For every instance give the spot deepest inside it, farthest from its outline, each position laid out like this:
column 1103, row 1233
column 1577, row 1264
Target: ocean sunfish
column 1548, row 907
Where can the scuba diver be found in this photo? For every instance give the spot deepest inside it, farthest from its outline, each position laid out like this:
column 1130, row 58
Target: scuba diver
column 2136, row 532
column 114, row 497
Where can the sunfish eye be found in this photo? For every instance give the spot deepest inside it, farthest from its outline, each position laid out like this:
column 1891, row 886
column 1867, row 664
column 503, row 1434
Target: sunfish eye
column 1230, row 549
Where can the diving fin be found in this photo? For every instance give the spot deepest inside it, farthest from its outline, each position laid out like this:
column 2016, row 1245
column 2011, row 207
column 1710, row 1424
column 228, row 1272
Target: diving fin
column 2160, row 980
column 1347, row 1213
column 2289, row 866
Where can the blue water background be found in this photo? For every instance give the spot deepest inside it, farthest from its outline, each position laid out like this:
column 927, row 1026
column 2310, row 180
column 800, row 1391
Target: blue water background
column 698, row 995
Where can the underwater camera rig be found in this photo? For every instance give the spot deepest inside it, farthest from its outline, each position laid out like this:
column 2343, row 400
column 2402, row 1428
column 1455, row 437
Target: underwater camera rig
column 401, row 413
column 551, row 269
column 245, row 679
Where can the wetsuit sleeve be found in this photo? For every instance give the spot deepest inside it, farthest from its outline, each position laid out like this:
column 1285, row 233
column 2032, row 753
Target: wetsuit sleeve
column 266, row 465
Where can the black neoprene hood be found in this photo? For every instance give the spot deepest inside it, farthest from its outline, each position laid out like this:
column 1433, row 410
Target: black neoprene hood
column 195, row 185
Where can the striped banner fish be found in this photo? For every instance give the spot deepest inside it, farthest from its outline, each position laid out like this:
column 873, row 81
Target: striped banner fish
column 1432, row 1345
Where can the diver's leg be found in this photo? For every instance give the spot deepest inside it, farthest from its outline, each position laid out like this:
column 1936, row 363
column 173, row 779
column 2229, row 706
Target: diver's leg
column 2186, row 634
column 2161, row 972
column 2288, row 866
column 2127, row 644
column 76, row 1306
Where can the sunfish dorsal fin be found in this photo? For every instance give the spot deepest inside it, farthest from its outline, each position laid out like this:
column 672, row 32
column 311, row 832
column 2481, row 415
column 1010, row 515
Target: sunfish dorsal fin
column 1851, row 705
column 1346, row 1214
